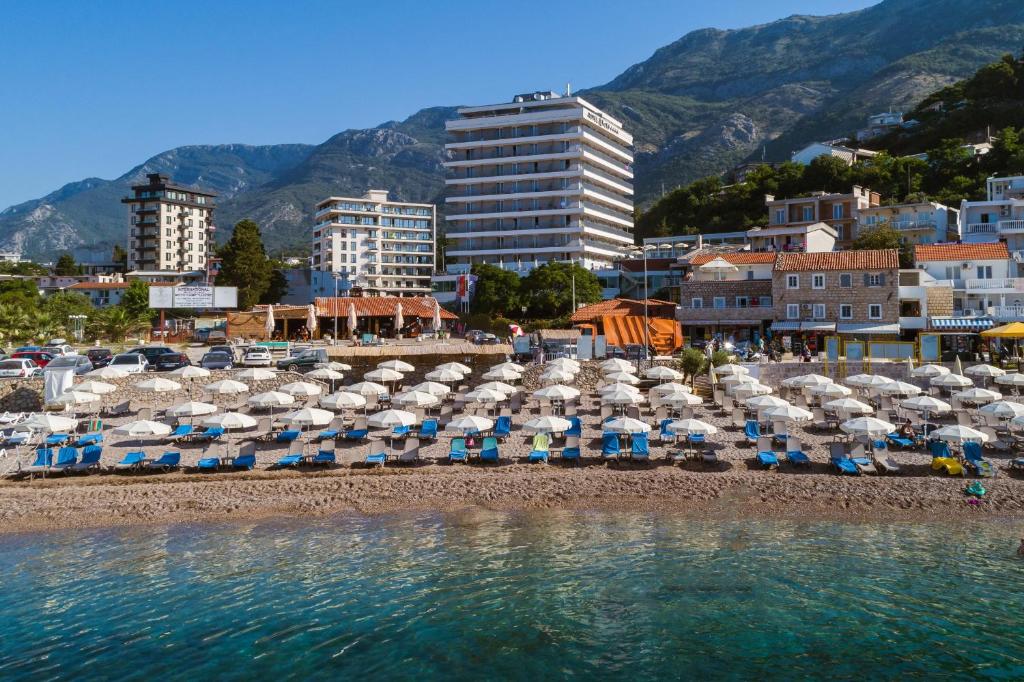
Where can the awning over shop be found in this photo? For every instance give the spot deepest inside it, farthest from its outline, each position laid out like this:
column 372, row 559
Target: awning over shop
column 817, row 326
column 721, row 323
column 868, row 328
column 969, row 324
column 785, row 326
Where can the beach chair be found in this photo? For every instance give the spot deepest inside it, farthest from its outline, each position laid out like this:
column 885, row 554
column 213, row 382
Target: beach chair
column 144, row 413
column 489, row 450
column 167, row 461
column 66, row 458
column 975, row 463
column 44, row 458
column 819, row 419
column 795, row 454
column 358, row 430
column 457, row 452
column 739, row 418
column 883, row 460
column 336, row 426
column 376, row 454
column 131, row 461
column 840, row 460
column 89, row 439
column 541, row 449
column 899, row 441
column 56, row 439
column 752, row 431
column 287, row 436
column 428, row 430
column 119, row 409
column 570, row 408
column 709, row 457
column 728, row 404
column 181, row 432
column 686, row 413
column 292, row 458
column 575, row 429
column 963, row 418
column 665, row 434
column 445, row 415
column 88, row 462
column 660, row 413
column 502, row 427
column 765, row 456
column 610, row 445
column 571, row 451
column 994, row 441
column 211, row 434
column 858, row 455
column 208, row 464
column 606, row 412
column 779, row 432
column 411, row 453
column 639, row 448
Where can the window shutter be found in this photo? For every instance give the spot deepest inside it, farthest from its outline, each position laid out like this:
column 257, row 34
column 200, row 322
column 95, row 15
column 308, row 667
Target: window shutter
column 865, row 279
column 881, row 279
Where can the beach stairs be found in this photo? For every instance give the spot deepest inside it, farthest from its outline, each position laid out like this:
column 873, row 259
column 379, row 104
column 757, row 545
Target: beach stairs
column 702, row 387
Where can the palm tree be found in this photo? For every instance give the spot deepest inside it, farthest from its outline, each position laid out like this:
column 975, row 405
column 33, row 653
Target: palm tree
column 15, row 324
column 117, row 322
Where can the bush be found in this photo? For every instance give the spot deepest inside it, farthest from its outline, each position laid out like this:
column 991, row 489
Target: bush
column 692, row 362
column 719, row 357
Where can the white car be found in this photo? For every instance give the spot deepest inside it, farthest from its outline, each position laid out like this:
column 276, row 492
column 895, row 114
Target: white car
column 132, row 363
column 59, row 349
column 18, row 367
column 257, row 356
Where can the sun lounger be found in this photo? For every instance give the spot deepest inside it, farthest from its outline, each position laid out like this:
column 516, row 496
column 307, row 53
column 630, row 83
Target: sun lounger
column 166, row 462
column 332, row 431
column 428, row 429
column 181, row 432
column 665, row 434
column 571, row 451
column 376, row 455
column 89, row 439
column 795, row 454
column 899, row 441
column 44, row 458
column 289, row 460
column 752, row 430
column 779, row 433
column 358, row 430
column 840, row 460
column 489, row 450
column 208, row 464
column 975, row 463
column 66, row 458
column 457, row 452
column 88, row 462
column 131, row 460
column 639, row 448
column 541, row 449
column 860, row 459
column 708, row 456
column 211, row 434
column 610, row 445
column 883, row 460
column 244, row 462
column 119, row 409
column 56, row 439
column 411, row 453
column 287, row 436
column 994, row 441
column 765, row 456
column 503, row 427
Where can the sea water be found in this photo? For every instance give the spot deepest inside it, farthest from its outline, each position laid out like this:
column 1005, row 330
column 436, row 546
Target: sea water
column 530, row 596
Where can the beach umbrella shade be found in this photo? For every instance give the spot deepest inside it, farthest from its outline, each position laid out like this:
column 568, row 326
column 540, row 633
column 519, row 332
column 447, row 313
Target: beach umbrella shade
column 682, row 400
column 433, row 388
column 616, row 365
column 1003, row 409
column 366, row 388
column 557, row 376
column 307, row 416
column 830, row 391
column 501, row 386
column 692, row 427
column 446, row 375
column 389, row 419
column 226, row 387
column 623, row 378
column 416, row 399
column 435, row 320
column 311, row 322
column 353, row 319
column 547, row 425
column 564, row 363
column 670, row 388
column 1013, row 379
column 230, row 421
column 399, row 317
column 510, row 365
column 270, row 399
column 190, row 372
column 867, row 426
column 107, row 373
column 807, row 381
column 744, row 391
column 956, row 433
column 763, row 402
column 609, row 388
column 627, row 425
column 47, row 423
column 457, row 367
column 396, row 365
column 622, row 397
column 951, row 381
column 301, row 388
column 256, row 374
column 268, row 322
column 503, row 374
column 734, row 379
column 469, row 423
column 867, row 380
column 326, row 374
column 556, row 392
column 929, row 371
column 97, row 387
column 486, row 395
column 143, row 427
column 1016, row 422
column 984, row 371
column 75, row 397
column 158, row 385
column 899, row 388
column 978, row 396
column 848, row 406
column 729, row 370
column 788, row 413
column 192, row 409
column 342, row 400
column 926, row 403
column 383, row 375
column 339, row 366
column 719, row 266
column 958, row 367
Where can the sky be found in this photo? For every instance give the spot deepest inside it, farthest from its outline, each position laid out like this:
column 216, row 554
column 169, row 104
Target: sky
column 92, row 89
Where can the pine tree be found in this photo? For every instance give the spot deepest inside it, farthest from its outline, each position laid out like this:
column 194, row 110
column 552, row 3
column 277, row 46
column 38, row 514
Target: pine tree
column 246, row 265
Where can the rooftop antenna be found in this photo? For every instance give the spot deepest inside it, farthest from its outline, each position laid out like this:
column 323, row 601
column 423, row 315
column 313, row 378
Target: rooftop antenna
column 568, row 89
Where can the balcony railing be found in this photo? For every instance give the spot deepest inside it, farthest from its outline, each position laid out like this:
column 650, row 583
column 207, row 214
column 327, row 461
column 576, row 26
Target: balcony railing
column 728, row 306
column 1008, row 313
column 995, row 283
column 1013, row 225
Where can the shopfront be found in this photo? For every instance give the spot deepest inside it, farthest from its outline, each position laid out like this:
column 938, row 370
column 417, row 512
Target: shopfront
column 952, row 337
column 795, row 336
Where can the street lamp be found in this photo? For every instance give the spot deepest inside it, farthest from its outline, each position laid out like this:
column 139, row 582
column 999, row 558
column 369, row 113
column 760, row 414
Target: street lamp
column 78, row 326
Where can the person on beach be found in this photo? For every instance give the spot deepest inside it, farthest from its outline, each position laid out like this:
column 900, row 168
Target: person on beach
column 907, row 430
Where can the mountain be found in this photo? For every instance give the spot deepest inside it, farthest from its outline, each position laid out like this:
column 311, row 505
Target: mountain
column 696, row 107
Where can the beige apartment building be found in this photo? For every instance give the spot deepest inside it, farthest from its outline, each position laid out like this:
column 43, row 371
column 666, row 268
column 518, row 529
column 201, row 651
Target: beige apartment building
column 840, row 211
column 171, row 226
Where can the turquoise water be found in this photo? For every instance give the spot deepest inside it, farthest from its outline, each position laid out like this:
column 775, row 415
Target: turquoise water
column 513, row 596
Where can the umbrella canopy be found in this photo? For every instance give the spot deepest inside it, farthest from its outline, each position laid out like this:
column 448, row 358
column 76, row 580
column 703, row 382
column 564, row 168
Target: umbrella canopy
column 47, row 423
column 97, row 387
column 326, row 374
column 1016, row 422
column 158, row 385
column 107, row 372
column 256, row 374
column 510, row 365
column 270, row 399
column 353, row 319
column 368, row 388
column 500, row 386
column 849, row 406
column 719, row 266
column 75, row 397
column 977, row 395
column 954, row 433
column 469, row 423
column 608, row 388
column 733, row 379
column 444, row 375
column 389, row 419
column 670, row 388
column 831, row 391
column 952, row 381
column 958, row 367
column 339, row 366
column 1015, row 379
column 622, row 397
column 1014, row 330
column 616, row 365
column 807, row 381
column 564, row 363
column 381, row 374
column 456, row 367
column 190, row 372
column 898, row 388
column 226, row 387
column 743, row 391
column 1003, row 409
column 435, row 321
column 230, row 421
column 627, row 425
column 984, row 371
column 729, row 370
column 867, row 380
column 268, row 322
column 556, row 392
column 301, row 388
column 682, row 400
column 867, row 426
column 788, row 413
column 547, row 425
column 557, row 376
column 416, row 399
column 623, row 378
column 192, row 409
column 399, row 317
column 308, row 416
column 929, row 371
column 763, row 402
column 503, row 374
column 692, row 427
column 486, row 395
column 396, row 365
column 433, row 388
column 926, row 403
column 342, row 400
column 143, row 427
column 311, row 318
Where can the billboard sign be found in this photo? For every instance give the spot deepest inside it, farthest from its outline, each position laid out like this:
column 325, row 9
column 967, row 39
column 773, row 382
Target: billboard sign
column 188, row 296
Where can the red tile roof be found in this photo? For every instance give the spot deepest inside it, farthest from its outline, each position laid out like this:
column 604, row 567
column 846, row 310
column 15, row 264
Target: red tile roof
column 620, row 306
column 961, row 252
column 736, row 258
column 380, row 306
column 875, row 259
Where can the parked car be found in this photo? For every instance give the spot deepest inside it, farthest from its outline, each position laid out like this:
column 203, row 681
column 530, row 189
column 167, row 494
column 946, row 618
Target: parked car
column 223, row 349
column 56, row 349
column 480, row 337
column 304, row 361
column 151, row 353
column 133, row 363
column 473, row 334
column 99, row 357
column 257, row 356
column 636, row 351
column 171, row 361
column 79, row 363
column 615, row 352
column 25, row 349
column 216, row 336
column 37, row 356
column 18, row 367
column 216, row 360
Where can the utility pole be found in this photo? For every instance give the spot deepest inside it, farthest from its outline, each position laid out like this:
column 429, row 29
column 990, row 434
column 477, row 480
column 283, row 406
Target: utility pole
column 572, row 271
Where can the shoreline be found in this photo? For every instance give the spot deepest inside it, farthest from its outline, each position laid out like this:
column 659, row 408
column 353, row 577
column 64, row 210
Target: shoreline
column 734, row 494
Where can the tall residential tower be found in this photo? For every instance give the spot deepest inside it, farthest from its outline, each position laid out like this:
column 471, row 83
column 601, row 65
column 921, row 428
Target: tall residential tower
column 171, row 226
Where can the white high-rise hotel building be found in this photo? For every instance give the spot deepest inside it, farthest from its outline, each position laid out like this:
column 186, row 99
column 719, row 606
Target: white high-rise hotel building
column 543, row 178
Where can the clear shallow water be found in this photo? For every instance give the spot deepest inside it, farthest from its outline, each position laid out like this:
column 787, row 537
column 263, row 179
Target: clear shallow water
column 512, row 596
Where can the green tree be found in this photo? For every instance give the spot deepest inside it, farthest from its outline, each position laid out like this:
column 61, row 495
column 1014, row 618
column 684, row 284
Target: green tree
column 66, row 266
column 120, row 256
column 15, row 323
column 136, row 299
column 691, row 363
column 63, row 304
column 497, row 291
column 22, row 292
column 884, row 236
column 117, row 322
column 548, row 290
column 24, row 268
column 246, row 265
column 278, row 287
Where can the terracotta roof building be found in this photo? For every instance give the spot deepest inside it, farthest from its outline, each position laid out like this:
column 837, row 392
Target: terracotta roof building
column 875, row 259
column 924, row 253
column 623, row 306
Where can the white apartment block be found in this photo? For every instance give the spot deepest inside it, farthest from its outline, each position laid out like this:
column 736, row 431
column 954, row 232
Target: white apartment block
column 543, row 178
column 384, row 247
column 171, row 226
column 1000, row 216
column 925, row 222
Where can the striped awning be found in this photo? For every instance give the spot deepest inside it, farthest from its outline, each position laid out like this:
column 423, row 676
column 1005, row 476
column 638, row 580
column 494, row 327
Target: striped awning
column 785, row 326
column 818, row 326
column 868, row 328
column 970, row 324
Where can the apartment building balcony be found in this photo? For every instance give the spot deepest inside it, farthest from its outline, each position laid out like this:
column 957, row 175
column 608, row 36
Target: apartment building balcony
column 552, row 171
column 1002, row 226
column 995, row 285
column 1007, row 313
column 908, row 225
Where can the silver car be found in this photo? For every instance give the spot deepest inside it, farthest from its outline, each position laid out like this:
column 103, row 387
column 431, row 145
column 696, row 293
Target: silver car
column 80, row 363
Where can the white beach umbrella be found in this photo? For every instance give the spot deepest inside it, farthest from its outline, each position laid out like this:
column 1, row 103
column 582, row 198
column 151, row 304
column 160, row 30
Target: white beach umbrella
column 457, row 367
column 1017, row 423
column 268, row 322
column 342, row 400
column 951, row 381
column 389, row 419
column 510, row 365
column 734, row 379
column 75, row 397
column 435, row 320
column 867, row 380
column 107, row 372
column 788, row 413
column 396, row 365
column 692, row 427
column 399, row 317
column 807, row 381
column 623, row 378
column 383, row 375
column 469, row 423
column 958, row 367
column 367, row 388
column 670, row 388
column 926, row 403
column 662, row 373
column 230, row 421
column 627, row 425
column 984, row 371
column 978, row 396
column 764, row 402
column 325, row 374
column 486, row 396
column 503, row 374
column 1003, row 409
column 929, row 371
column 307, row 416
column 848, row 406
column 867, row 426
column 190, row 372
column 192, row 409
column 556, row 392
column 416, row 399
column 682, row 400
column 301, row 388
column 143, row 427
column 564, row 363
column 830, row 391
column 353, row 319
column 47, row 423
column 729, row 370
column 622, row 397
column 226, row 387
column 433, row 388
column 311, row 321
column 608, row 388
column 616, row 365
column 955, row 433
column 557, row 376
column 448, row 376
column 158, row 385
column 899, row 388
column 97, row 387
column 744, row 391
column 256, row 374
column 547, row 425
column 1013, row 379
column 339, row 366
column 500, row 386
column 270, row 399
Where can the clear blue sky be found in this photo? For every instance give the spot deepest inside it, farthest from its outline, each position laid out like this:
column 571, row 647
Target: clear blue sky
column 91, row 89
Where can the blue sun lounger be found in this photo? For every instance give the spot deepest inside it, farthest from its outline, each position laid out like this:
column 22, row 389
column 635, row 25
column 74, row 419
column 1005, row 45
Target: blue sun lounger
column 244, row 462
column 89, row 461
column 797, row 458
column 376, row 458
column 974, row 461
column 208, row 464
column 131, row 460
column 324, row 458
column 541, row 449
column 610, row 445
column 57, row 439
column 166, row 462
column 180, row 432
column 571, row 454
column 639, row 448
column 765, row 456
column 66, row 458
column 899, row 441
column 489, row 450
column 209, row 435
column 752, row 430
column 287, row 436
column 89, row 439
column 839, row 459
column 356, row 434
column 576, row 428
column 458, row 452
column 428, row 429
column 503, row 427
column 289, row 460
column 44, row 458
